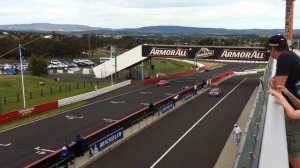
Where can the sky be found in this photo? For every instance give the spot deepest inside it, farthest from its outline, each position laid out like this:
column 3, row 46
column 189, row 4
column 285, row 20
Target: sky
column 229, row 14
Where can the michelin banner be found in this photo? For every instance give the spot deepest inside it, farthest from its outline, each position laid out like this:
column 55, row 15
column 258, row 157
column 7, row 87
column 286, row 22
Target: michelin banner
column 206, row 52
column 105, row 142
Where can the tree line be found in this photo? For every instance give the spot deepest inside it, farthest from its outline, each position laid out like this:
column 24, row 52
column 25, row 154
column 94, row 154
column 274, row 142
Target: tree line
column 72, row 46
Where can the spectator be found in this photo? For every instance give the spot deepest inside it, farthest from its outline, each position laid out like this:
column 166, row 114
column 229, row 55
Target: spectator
column 79, row 145
column 65, row 151
column 151, row 108
column 237, row 132
column 175, row 99
column 289, row 109
column 57, row 79
column 287, row 74
column 195, row 89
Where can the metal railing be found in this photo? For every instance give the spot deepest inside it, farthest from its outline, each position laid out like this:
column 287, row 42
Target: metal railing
column 263, row 129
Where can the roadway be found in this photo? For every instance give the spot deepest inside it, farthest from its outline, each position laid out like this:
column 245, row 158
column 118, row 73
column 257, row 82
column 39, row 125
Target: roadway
column 192, row 136
column 24, row 144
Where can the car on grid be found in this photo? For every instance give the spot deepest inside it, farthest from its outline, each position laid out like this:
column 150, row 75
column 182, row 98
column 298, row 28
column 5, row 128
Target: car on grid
column 215, row 92
column 163, row 83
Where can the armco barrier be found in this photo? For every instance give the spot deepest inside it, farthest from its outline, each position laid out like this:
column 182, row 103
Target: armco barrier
column 176, row 74
column 85, row 96
column 151, row 80
column 6, row 117
column 10, row 116
column 172, row 75
column 222, row 76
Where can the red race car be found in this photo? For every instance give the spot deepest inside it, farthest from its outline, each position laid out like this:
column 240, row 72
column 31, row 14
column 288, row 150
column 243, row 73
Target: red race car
column 215, row 92
column 163, row 83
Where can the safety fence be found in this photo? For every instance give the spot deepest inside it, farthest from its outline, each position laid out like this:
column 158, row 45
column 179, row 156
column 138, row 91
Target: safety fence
column 250, row 150
column 44, row 91
column 172, row 75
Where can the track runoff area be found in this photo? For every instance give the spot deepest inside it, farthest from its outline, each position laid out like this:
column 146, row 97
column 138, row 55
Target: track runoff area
column 192, row 136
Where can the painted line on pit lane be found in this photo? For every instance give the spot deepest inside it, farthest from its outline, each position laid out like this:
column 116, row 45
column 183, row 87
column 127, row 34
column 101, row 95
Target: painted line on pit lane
column 42, row 151
column 191, row 128
column 5, row 145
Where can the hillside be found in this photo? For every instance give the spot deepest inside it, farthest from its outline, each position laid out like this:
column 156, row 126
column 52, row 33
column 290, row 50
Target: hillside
column 144, row 30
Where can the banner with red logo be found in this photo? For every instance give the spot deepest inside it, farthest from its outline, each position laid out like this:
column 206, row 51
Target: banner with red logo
column 206, row 52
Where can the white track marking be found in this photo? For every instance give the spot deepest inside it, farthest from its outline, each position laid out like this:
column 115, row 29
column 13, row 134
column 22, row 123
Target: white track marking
column 145, row 92
column 42, row 151
column 117, row 102
column 6, row 144
column 109, row 120
column 73, row 117
column 190, row 129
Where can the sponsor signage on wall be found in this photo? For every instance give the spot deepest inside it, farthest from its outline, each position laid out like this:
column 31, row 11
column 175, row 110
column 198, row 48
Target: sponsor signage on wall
column 206, row 52
column 105, row 142
column 26, row 112
column 166, row 107
column 187, row 96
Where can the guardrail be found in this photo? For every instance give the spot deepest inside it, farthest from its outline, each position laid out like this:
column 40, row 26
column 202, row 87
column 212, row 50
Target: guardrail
column 17, row 114
column 264, row 144
column 14, row 115
column 172, row 75
column 85, row 96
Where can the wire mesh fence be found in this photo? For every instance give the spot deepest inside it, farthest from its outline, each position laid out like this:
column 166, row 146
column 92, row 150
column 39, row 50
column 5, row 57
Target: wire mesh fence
column 249, row 155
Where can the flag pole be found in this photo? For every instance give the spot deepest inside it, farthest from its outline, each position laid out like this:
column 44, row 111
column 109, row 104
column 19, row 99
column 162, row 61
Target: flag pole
column 23, row 89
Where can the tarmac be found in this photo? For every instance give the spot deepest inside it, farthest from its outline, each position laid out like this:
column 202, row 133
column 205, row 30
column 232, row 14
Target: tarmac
column 227, row 158
column 231, row 151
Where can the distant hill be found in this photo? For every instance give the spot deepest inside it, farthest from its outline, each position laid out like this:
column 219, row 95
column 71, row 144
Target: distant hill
column 47, row 27
column 149, row 29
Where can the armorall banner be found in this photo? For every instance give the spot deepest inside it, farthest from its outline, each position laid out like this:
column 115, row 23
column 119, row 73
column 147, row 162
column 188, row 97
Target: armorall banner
column 206, row 52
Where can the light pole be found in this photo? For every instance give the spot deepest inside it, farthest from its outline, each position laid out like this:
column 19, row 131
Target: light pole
column 89, row 45
column 21, row 62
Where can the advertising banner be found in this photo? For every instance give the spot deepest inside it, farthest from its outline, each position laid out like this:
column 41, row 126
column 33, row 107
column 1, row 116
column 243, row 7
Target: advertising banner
column 206, row 52
column 105, row 142
column 166, row 107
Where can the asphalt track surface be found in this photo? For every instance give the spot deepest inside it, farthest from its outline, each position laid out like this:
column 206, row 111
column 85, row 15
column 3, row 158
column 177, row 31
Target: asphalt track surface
column 24, row 144
column 165, row 144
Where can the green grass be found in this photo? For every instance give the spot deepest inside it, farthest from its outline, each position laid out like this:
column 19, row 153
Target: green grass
column 28, row 119
column 11, row 91
column 167, row 66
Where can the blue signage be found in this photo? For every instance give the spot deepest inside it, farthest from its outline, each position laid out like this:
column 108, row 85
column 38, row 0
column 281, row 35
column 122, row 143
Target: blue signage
column 105, row 142
column 166, row 107
column 187, row 96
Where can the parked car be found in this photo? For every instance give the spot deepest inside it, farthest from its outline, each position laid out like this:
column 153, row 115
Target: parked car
column 215, row 92
column 163, row 83
column 54, row 61
column 83, row 62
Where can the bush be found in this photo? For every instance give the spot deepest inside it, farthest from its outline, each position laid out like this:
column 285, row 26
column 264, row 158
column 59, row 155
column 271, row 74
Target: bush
column 37, row 66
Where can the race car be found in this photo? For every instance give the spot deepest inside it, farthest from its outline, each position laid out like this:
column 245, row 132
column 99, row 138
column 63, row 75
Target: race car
column 215, row 92
column 163, row 83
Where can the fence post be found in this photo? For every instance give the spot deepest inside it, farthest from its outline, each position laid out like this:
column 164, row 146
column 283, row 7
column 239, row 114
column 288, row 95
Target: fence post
column 77, row 85
column 84, row 84
column 51, row 91
column 18, row 98
column 30, row 93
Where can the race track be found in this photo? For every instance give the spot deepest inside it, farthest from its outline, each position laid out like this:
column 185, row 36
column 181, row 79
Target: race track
column 25, row 144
